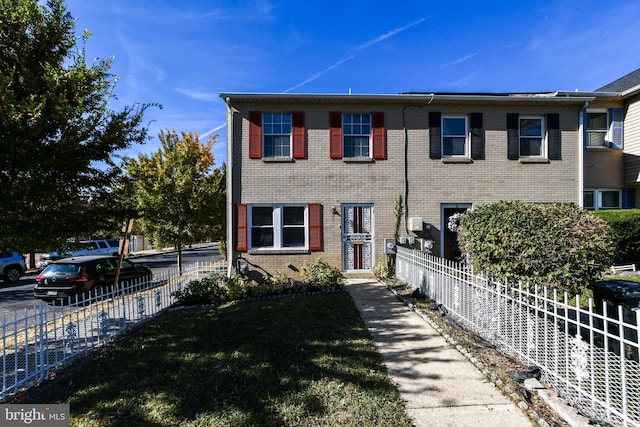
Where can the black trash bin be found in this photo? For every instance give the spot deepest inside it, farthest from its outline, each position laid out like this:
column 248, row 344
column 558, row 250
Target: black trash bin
column 626, row 294
column 617, row 292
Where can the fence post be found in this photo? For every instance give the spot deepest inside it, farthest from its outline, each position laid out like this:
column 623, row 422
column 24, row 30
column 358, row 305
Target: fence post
column 42, row 347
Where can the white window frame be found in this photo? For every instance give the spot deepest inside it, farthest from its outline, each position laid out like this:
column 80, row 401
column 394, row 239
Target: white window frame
column 466, row 135
column 345, row 135
column 542, row 137
column 266, row 134
column 277, row 212
column 605, row 131
column 597, row 198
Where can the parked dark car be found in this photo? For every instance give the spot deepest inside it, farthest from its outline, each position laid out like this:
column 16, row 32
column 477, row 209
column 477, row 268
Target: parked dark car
column 76, row 276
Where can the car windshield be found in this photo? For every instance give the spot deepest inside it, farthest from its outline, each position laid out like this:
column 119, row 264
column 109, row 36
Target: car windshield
column 63, row 268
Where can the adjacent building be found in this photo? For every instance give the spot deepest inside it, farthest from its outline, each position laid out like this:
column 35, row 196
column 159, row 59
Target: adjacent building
column 321, row 175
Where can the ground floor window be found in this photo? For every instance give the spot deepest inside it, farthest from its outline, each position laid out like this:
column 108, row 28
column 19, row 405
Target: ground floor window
column 279, row 226
column 595, row 199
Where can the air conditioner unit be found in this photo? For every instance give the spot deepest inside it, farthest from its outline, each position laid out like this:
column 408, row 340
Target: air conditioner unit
column 403, row 240
column 411, row 240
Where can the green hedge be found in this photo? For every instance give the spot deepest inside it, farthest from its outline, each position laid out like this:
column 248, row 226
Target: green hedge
column 556, row 245
column 625, row 227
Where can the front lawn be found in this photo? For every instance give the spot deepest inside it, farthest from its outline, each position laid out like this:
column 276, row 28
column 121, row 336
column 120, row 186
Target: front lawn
column 303, row 361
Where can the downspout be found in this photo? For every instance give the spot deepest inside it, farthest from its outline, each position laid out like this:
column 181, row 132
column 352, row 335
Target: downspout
column 406, row 171
column 581, row 145
column 230, row 248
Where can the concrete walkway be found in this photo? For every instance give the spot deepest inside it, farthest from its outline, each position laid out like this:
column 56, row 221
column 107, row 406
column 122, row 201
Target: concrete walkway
column 441, row 387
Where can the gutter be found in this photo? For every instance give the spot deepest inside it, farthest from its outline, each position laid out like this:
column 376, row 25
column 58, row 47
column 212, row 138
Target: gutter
column 563, row 97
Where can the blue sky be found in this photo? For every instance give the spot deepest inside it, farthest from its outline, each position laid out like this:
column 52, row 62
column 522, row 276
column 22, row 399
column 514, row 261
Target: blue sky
column 182, row 53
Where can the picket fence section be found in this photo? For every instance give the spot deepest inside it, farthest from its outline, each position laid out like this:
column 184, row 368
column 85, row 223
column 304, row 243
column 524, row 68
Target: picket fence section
column 38, row 340
column 589, row 356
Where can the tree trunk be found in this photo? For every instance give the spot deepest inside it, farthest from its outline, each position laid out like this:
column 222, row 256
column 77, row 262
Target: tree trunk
column 179, row 244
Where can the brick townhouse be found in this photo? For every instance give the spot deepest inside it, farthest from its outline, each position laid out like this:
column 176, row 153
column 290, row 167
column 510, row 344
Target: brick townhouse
column 319, row 175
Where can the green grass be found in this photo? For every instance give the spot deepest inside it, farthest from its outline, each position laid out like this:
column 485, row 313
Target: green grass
column 305, row 361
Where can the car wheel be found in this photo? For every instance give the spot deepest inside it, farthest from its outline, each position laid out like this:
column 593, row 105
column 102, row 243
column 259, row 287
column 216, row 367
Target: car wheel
column 12, row 274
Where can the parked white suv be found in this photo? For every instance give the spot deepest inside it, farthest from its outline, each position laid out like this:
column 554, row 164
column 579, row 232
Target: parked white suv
column 12, row 266
column 86, row 247
column 107, row 246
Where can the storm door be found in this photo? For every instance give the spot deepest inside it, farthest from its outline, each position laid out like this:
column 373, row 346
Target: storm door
column 449, row 212
column 357, row 237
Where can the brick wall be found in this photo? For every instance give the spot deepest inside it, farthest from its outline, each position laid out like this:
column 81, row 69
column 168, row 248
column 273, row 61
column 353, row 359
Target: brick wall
column 431, row 183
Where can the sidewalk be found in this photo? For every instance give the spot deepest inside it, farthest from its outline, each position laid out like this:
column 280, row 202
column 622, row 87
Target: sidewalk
column 441, row 387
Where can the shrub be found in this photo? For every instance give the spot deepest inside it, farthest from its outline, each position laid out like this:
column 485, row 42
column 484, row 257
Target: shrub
column 208, row 290
column 321, row 274
column 557, row 245
column 625, row 229
column 214, row 289
column 381, row 271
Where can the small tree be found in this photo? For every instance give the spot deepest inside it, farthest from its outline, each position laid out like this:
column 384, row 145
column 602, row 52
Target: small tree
column 557, row 245
column 178, row 194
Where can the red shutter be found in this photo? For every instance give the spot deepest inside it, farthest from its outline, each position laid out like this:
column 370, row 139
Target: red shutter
column 335, row 135
column 241, row 227
column 255, row 134
column 297, row 134
column 377, row 128
column 315, row 226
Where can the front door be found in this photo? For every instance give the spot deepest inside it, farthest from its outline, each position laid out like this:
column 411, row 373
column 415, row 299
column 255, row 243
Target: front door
column 357, row 237
column 449, row 248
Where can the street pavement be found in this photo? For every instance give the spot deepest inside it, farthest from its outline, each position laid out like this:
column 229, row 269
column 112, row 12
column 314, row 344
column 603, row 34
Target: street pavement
column 440, row 386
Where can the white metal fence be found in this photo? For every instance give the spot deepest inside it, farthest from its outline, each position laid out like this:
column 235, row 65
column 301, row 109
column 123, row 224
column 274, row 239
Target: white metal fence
column 589, row 356
column 38, row 340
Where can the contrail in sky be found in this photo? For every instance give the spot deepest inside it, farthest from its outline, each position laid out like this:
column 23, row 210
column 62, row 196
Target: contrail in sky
column 342, row 61
column 215, row 129
column 357, row 50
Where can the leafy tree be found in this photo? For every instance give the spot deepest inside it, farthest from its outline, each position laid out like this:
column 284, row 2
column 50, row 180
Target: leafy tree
column 555, row 245
column 177, row 192
column 57, row 134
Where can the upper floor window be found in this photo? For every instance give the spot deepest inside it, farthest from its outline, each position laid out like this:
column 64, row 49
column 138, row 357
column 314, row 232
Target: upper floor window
column 455, row 137
column 535, row 139
column 276, row 130
column 357, row 136
column 604, row 129
column 356, row 132
column 276, row 135
column 597, row 129
column 531, row 137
